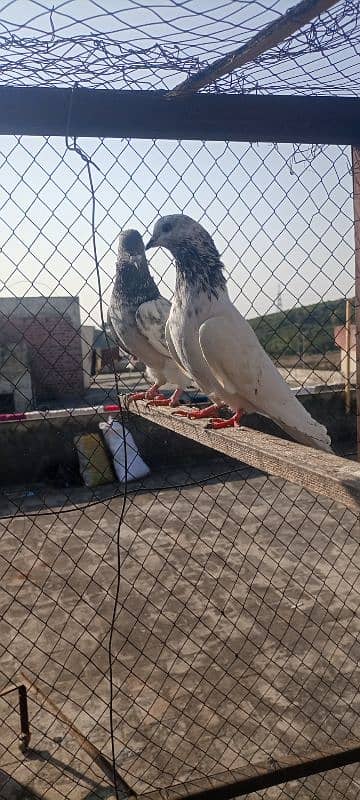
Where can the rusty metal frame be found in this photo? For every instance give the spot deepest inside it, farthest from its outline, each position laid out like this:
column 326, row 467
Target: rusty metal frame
column 93, row 752
column 356, row 202
column 257, row 777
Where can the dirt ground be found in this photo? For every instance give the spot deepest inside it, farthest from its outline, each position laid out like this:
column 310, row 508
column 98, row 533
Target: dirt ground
column 236, row 635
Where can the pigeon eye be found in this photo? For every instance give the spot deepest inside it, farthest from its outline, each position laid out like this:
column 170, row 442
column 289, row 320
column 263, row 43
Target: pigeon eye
column 166, row 227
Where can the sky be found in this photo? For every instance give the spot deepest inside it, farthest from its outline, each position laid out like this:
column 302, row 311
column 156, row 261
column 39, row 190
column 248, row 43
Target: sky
column 201, row 23
column 281, row 216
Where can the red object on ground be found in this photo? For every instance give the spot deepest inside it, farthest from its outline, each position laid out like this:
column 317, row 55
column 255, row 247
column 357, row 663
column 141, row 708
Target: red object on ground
column 112, row 408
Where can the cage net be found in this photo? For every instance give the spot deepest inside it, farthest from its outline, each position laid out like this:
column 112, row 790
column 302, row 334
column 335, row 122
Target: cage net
column 235, row 633
column 173, row 629
column 136, row 45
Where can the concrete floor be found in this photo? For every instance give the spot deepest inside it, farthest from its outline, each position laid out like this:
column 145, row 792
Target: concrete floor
column 236, row 635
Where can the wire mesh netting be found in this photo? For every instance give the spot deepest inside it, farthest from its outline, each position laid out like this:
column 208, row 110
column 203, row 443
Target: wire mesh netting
column 154, row 46
column 235, row 634
column 236, row 637
column 198, row 617
column 281, row 218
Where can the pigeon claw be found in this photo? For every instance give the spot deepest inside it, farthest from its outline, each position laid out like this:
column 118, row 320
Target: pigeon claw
column 233, row 422
column 159, row 400
column 171, row 401
column 199, row 413
column 150, row 394
column 132, row 398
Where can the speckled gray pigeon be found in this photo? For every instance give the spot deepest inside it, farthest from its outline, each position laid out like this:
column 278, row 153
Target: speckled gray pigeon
column 137, row 317
column 208, row 337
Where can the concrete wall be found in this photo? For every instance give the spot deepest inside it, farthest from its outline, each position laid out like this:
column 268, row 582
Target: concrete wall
column 50, row 327
column 15, row 376
column 15, row 307
column 318, row 361
column 34, row 450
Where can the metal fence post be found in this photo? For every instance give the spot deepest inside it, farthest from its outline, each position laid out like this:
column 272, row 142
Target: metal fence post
column 356, row 197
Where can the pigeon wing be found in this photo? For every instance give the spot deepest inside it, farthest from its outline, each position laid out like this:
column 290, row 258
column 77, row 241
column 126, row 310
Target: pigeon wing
column 232, row 355
column 171, row 348
column 115, row 336
column 151, row 318
column 243, row 369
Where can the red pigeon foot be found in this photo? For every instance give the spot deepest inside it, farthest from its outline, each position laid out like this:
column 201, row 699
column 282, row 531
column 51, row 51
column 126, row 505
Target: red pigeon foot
column 199, row 413
column 233, row 422
column 149, row 395
column 171, row 401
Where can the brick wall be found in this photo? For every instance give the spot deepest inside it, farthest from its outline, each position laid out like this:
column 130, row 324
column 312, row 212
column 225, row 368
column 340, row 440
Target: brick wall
column 54, row 350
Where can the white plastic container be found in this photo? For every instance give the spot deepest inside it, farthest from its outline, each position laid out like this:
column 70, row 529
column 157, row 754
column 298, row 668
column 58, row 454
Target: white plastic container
column 112, row 431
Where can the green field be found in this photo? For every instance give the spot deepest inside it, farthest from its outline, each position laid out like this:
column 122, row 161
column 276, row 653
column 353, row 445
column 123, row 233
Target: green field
column 297, row 331
column 306, row 329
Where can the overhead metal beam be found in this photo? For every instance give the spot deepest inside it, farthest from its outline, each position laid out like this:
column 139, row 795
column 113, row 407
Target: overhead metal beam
column 50, row 111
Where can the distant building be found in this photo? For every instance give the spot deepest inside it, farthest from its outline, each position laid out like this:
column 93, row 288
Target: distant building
column 107, row 353
column 340, row 341
column 45, row 352
column 104, row 356
column 16, row 393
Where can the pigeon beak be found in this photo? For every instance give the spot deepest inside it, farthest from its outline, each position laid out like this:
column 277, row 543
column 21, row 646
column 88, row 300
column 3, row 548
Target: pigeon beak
column 151, row 243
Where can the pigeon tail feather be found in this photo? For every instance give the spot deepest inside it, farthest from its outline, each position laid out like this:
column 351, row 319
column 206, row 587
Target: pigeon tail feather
column 311, row 432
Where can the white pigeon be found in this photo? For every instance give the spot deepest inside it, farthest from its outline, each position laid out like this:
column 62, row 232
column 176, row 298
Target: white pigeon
column 209, row 338
column 137, row 316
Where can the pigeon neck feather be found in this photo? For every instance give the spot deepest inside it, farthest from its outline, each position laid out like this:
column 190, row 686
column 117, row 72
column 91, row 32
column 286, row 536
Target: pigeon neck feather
column 199, row 269
column 133, row 282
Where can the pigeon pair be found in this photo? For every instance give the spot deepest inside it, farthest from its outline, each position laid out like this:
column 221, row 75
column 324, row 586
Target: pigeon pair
column 201, row 337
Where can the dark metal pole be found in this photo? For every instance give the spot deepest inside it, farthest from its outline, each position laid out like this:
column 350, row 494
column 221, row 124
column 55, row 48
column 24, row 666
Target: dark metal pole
column 281, row 775
column 92, row 751
column 356, row 201
column 24, row 737
column 24, row 719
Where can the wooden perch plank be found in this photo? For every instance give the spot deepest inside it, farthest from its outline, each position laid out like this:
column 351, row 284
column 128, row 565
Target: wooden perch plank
column 270, row 36
column 320, row 473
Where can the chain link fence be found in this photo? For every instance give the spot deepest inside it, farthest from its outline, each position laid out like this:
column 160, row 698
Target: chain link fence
column 281, row 216
column 176, row 630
